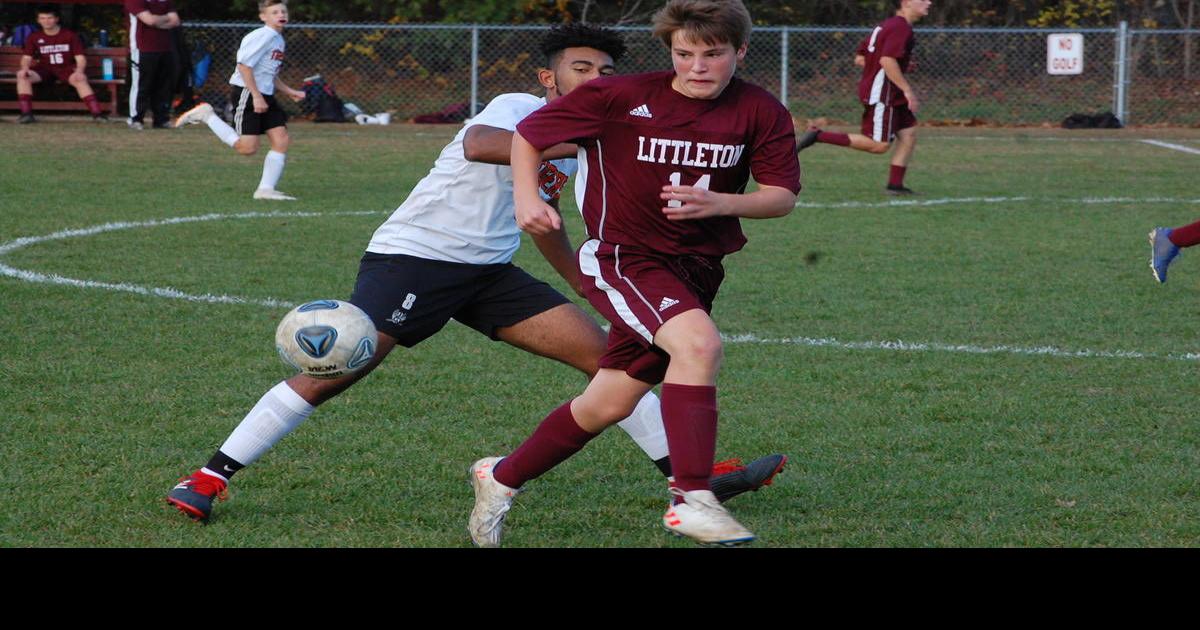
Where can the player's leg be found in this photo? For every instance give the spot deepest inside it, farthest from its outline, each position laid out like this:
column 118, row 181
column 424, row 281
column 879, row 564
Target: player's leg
column 25, row 81
column 1166, row 243
column 276, row 414
column 87, row 96
column 609, row 397
column 274, row 162
column 904, row 125
column 162, row 87
column 568, row 335
column 143, row 68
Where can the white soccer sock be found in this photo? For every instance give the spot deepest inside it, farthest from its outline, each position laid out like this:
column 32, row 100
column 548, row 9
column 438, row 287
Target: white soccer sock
column 277, row 413
column 272, row 170
column 222, row 129
column 645, row 426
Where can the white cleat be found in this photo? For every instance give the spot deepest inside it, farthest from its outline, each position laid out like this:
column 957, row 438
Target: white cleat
column 197, row 114
column 492, row 502
column 702, row 518
column 272, row 194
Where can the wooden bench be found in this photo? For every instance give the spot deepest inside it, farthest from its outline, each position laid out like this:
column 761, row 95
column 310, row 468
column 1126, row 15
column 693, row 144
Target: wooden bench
column 10, row 63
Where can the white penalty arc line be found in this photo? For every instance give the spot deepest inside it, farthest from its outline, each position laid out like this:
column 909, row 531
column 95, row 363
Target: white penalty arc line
column 162, row 292
column 919, row 203
column 170, row 293
column 1173, row 147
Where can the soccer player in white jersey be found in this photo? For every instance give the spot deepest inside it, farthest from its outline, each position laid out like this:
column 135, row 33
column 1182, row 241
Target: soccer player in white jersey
column 255, row 109
column 446, row 253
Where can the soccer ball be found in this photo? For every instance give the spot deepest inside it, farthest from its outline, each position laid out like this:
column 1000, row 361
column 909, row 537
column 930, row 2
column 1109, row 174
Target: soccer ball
column 326, row 339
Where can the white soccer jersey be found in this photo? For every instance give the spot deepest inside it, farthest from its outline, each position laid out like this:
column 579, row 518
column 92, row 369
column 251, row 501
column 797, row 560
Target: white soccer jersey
column 262, row 50
column 463, row 211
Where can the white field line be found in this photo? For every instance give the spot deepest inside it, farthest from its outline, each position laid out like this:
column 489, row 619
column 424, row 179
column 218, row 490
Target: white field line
column 162, row 292
column 909, row 346
column 171, row 293
column 920, row 203
column 1174, row 147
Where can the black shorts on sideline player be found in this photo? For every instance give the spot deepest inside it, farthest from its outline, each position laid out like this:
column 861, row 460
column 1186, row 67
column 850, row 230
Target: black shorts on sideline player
column 412, row 298
column 246, row 121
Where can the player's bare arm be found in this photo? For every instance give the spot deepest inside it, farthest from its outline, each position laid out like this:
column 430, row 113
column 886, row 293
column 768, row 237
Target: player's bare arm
column 492, row 145
column 295, row 95
column 533, row 215
column 172, row 20
column 891, row 68
column 80, row 66
column 767, row 202
column 555, row 247
column 260, row 103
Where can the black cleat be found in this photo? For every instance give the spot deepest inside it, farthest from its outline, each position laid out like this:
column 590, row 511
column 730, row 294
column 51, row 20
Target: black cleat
column 194, row 495
column 25, row 119
column 806, row 139
column 898, row 190
column 730, row 478
column 100, row 118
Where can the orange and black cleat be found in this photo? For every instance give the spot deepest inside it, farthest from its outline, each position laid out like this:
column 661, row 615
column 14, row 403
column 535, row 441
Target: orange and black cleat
column 730, row 478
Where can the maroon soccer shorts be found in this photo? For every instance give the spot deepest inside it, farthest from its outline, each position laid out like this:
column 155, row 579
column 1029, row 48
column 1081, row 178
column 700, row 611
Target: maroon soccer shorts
column 880, row 122
column 639, row 291
column 49, row 73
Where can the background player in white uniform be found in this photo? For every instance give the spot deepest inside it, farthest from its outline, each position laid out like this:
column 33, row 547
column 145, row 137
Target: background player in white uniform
column 446, row 253
column 255, row 109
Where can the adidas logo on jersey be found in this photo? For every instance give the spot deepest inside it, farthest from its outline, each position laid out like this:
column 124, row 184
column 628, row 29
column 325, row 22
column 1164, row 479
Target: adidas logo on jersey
column 642, row 111
column 666, row 304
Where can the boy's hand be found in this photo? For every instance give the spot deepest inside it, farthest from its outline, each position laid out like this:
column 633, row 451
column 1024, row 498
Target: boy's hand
column 691, row 202
column 537, row 218
column 260, row 105
column 295, row 95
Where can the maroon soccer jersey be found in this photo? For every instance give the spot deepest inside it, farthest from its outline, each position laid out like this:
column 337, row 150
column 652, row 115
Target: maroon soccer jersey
column 893, row 38
column 55, row 51
column 145, row 38
column 638, row 135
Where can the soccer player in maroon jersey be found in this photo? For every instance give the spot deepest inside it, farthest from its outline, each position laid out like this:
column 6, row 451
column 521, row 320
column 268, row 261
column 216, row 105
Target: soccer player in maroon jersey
column 664, row 161
column 59, row 55
column 889, row 102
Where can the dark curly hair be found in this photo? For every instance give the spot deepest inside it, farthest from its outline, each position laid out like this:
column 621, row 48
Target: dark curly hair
column 579, row 35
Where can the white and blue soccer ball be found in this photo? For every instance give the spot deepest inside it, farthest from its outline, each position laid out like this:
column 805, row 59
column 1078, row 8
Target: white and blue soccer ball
column 326, row 339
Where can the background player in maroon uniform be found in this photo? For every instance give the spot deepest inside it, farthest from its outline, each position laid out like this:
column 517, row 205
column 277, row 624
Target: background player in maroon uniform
column 687, row 140
column 58, row 53
column 152, row 60
column 888, row 99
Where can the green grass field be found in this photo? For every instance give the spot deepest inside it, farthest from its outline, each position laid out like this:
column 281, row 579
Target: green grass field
column 990, row 364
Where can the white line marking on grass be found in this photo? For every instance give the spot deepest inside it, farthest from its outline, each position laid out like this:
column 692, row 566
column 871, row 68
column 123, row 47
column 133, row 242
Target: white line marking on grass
column 1175, row 147
column 163, row 292
column 909, row 203
column 895, row 346
column 909, row 346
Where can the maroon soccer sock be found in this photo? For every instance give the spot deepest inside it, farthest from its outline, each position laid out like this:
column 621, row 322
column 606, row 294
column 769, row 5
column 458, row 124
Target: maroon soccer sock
column 829, row 137
column 1186, row 236
column 25, row 102
column 690, row 419
column 92, row 104
column 556, row 438
column 896, row 176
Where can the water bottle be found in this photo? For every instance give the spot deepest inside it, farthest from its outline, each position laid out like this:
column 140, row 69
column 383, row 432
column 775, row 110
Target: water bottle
column 103, row 38
column 107, row 64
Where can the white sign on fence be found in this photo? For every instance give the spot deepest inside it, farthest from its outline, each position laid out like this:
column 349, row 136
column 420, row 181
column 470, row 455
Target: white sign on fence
column 1064, row 53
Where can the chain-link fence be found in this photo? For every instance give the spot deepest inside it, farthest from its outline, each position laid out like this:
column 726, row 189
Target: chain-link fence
column 992, row 75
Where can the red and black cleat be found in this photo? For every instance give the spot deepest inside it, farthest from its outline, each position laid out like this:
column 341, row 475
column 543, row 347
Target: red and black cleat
column 194, row 495
column 730, row 478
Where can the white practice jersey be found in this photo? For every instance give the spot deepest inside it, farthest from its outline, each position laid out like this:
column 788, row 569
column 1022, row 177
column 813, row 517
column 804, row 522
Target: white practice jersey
column 262, row 50
column 463, row 211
